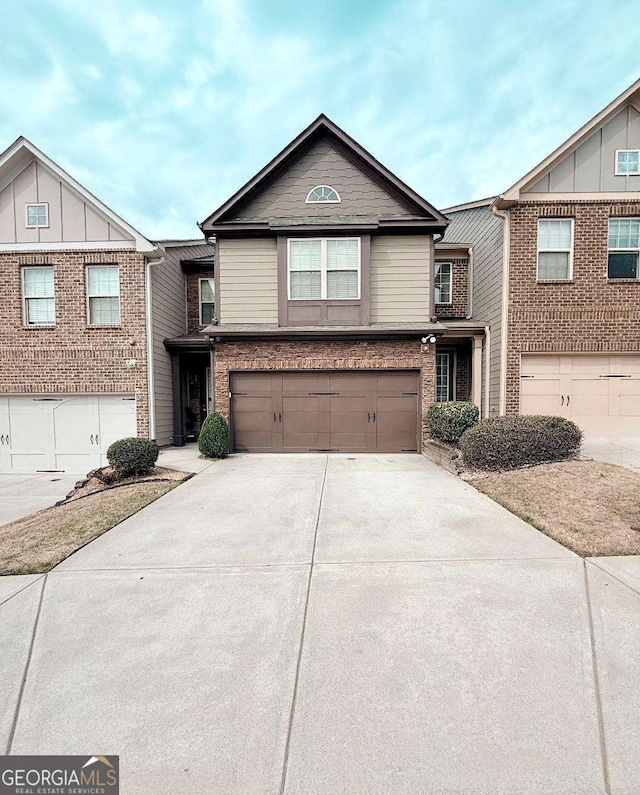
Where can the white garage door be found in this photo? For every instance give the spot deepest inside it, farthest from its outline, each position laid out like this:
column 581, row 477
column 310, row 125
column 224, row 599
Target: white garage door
column 44, row 433
column 600, row 393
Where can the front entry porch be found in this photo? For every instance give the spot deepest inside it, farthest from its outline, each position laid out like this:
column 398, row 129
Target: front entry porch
column 460, row 364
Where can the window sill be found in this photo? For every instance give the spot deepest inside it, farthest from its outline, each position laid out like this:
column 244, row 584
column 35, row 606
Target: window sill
column 92, row 327
column 554, row 281
column 626, row 280
column 444, row 303
column 38, row 327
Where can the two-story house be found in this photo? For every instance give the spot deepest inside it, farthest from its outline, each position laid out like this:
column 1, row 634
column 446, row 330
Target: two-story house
column 571, row 278
column 335, row 317
column 74, row 342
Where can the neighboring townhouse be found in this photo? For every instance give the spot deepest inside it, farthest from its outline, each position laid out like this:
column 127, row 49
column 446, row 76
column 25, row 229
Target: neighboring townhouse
column 571, row 305
column 332, row 318
column 75, row 373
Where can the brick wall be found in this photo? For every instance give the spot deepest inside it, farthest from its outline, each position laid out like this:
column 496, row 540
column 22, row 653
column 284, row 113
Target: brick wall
column 588, row 314
column 193, row 299
column 71, row 357
column 459, row 306
column 370, row 355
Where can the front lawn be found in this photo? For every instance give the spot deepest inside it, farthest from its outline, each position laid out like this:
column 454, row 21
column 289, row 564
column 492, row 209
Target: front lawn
column 37, row 543
column 590, row 507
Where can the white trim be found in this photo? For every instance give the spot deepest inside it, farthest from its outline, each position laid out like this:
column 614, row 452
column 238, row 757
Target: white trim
column 487, row 372
column 450, row 383
column 141, row 243
column 435, row 276
column 25, row 298
column 603, row 196
column 98, row 245
column 200, row 302
column 504, row 309
column 326, row 201
column 470, row 205
column 569, row 251
column 148, row 300
column 90, row 324
column 323, row 268
column 628, row 250
column 46, row 214
column 626, row 173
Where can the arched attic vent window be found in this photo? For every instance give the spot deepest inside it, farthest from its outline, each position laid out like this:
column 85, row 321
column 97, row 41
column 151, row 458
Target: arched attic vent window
column 323, row 193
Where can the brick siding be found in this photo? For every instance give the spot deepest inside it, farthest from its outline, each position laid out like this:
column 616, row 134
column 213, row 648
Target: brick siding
column 459, row 306
column 343, row 355
column 70, row 356
column 193, row 299
column 589, row 314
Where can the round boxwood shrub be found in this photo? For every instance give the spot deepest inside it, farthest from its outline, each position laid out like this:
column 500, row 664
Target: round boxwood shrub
column 214, row 440
column 133, row 456
column 448, row 421
column 510, row 442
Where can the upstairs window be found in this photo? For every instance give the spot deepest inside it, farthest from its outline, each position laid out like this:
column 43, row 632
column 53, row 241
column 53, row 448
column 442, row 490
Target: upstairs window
column 207, row 301
column 103, row 295
column 324, row 268
column 37, row 215
column 323, row 193
column 39, row 300
column 624, row 247
column 443, row 283
column 555, row 248
column 627, row 162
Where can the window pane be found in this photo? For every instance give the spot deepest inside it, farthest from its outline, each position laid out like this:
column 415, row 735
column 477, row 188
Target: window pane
column 342, row 284
column 323, row 193
column 624, row 233
column 38, row 282
column 342, row 254
column 41, row 311
column 554, row 235
column 104, row 311
column 623, row 266
column 305, row 284
column 36, row 215
column 628, row 162
column 442, row 283
column 208, row 313
column 103, row 281
column 442, row 377
column 304, row 255
column 207, row 290
column 553, row 265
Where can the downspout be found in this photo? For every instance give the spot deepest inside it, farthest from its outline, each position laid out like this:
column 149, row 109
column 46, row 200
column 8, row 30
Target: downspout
column 470, row 285
column 149, row 329
column 506, row 250
column 487, row 371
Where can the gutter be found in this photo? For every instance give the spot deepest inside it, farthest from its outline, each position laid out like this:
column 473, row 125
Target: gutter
column 149, row 329
column 506, row 249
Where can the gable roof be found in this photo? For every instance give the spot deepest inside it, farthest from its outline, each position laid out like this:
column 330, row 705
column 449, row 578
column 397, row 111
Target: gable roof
column 318, row 129
column 21, row 154
column 631, row 96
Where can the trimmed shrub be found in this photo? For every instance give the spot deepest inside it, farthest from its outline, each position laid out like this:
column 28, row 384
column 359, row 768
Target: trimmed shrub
column 133, row 456
column 510, row 442
column 214, row 440
column 448, row 421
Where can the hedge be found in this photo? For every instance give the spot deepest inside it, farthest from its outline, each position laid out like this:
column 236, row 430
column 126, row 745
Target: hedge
column 511, row 442
column 448, row 421
column 214, row 440
column 132, row 456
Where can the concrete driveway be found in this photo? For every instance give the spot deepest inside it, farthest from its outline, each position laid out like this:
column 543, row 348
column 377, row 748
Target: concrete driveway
column 343, row 624
column 21, row 495
column 625, row 452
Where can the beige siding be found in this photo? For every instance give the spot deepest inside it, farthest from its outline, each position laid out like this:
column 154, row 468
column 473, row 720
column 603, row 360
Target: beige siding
column 591, row 167
column 248, row 281
column 400, row 278
column 71, row 219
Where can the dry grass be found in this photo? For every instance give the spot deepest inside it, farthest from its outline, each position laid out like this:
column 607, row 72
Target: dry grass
column 37, row 543
column 590, row 507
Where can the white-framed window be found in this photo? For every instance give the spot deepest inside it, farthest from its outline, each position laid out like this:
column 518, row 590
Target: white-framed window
column 37, row 215
column 103, row 295
column 555, row 248
column 323, row 193
column 207, row 293
column 627, row 162
column 624, row 248
column 324, row 268
column 39, row 296
column 443, row 377
column 443, row 282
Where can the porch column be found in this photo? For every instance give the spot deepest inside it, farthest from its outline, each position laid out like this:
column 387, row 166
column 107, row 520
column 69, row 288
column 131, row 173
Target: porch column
column 476, row 372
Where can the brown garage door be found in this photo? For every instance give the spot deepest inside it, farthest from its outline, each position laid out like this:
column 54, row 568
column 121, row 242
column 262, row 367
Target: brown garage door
column 330, row 411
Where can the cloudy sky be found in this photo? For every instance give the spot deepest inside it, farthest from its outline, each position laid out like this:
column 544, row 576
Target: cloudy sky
column 163, row 109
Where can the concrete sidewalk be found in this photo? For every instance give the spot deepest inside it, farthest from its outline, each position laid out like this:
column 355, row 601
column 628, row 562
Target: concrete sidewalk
column 343, row 624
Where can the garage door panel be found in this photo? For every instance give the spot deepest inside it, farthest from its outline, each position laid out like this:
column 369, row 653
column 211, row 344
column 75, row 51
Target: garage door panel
column 396, row 383
column 350, row 382
column 300, row 382
column 301, row 404
column 255, row 383
column 75, row 428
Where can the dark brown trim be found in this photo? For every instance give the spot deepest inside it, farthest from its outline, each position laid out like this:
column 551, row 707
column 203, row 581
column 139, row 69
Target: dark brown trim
column 178, row 405
column 283, row 291
column 365, row 280
column 353, row 333
column 319, row 128
column 186, row 343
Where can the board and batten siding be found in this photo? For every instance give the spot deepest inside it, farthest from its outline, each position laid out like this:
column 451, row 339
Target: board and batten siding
column 248, row 280
column 591, row 167
column 479, row 227
column 71, row 218
column 400, row 278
